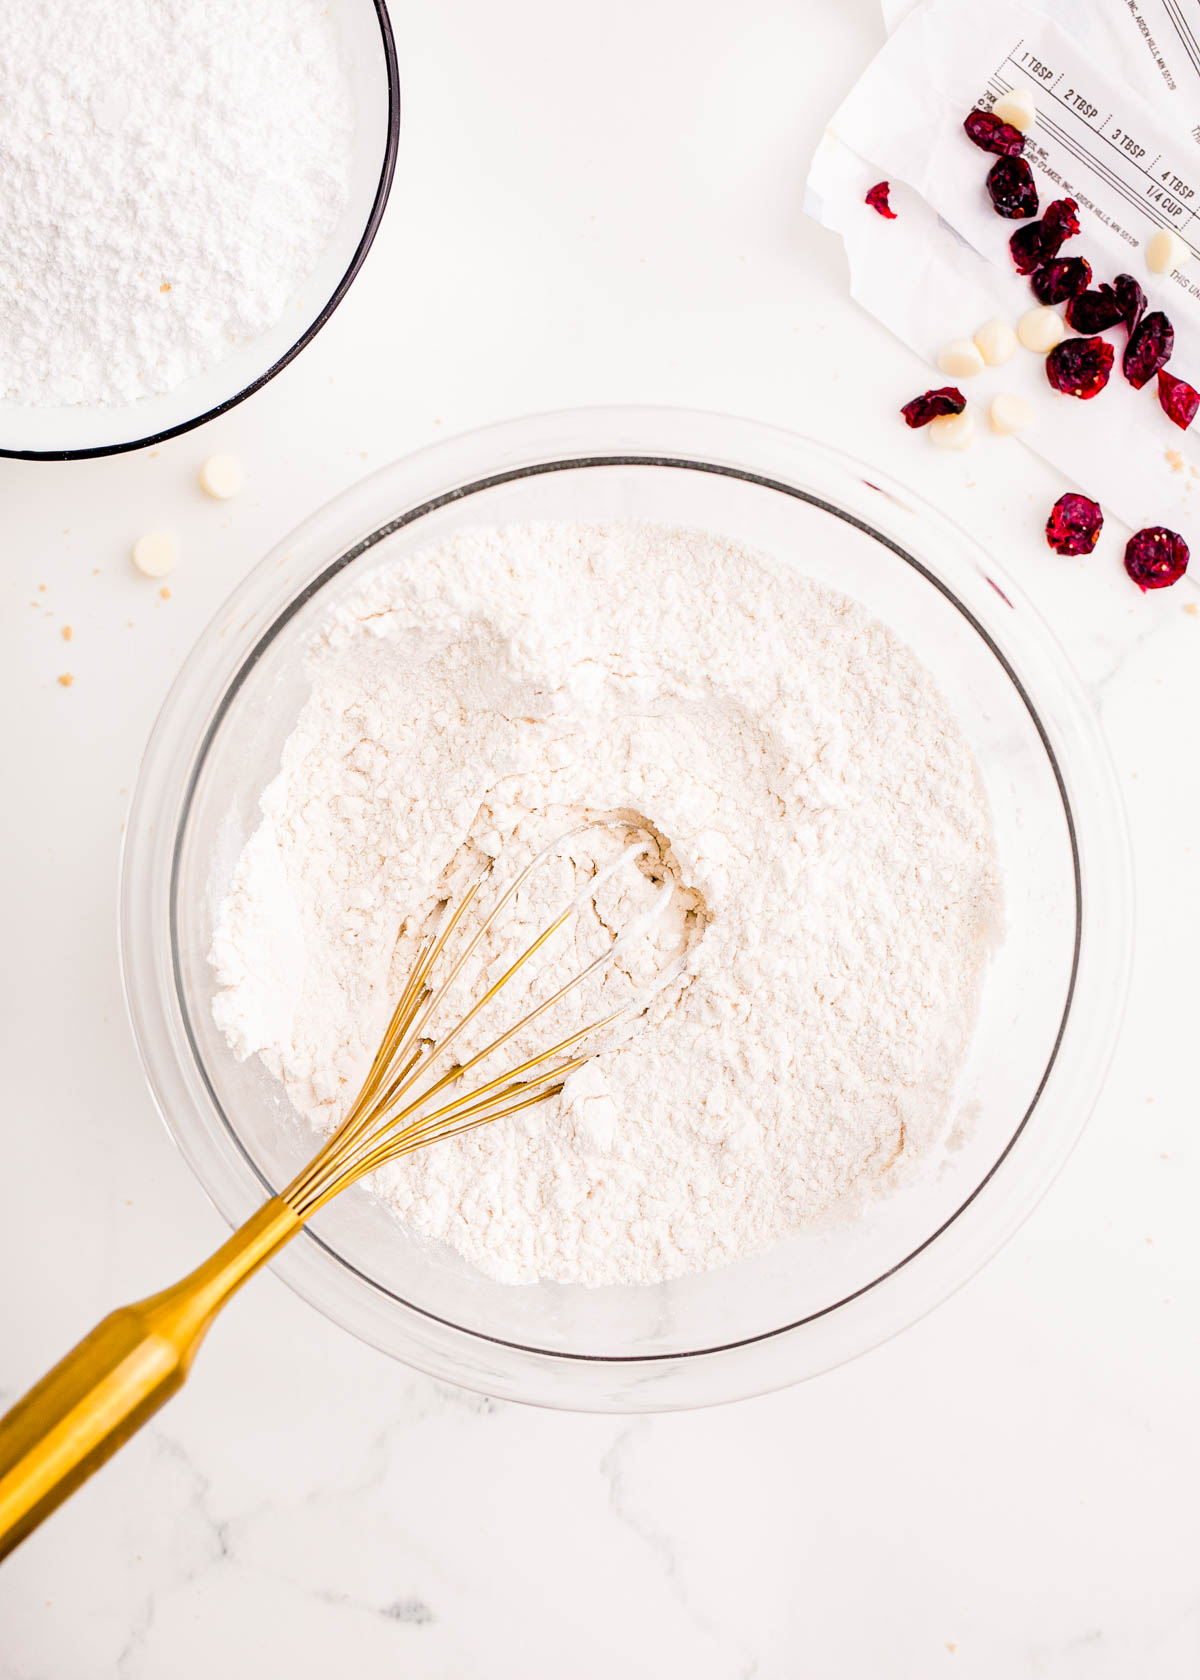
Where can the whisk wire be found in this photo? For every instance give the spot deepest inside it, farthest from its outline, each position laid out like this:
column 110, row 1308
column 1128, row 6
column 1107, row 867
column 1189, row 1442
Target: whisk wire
column 531, row 950
column 368, row 1103
column 381, row 1125
column 442, row 1122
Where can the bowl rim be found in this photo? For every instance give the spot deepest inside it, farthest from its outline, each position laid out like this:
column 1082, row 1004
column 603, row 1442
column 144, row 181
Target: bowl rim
column 434, row 468
column 383, row 189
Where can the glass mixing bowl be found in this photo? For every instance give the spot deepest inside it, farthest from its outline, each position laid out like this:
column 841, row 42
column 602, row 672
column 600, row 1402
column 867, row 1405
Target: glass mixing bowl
column 1052, row 999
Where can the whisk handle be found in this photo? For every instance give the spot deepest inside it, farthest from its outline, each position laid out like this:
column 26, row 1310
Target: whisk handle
column 117, row 1377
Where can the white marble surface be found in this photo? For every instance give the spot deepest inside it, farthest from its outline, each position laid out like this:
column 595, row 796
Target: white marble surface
column 591, row 206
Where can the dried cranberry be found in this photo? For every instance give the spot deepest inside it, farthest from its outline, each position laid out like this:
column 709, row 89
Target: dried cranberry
column 1040, row 242
column 1079, row 367
column 1066, row 278
column 1150, row 345
column 877, row 198
column 991, row 134
column 930, row 404
column 1059, row 223
column 1011, row 188
column 1094, row 312
column 1028, row 247
column 1179, row 400
column 1155, row 557
column 1132, row 299
column 1074, row 524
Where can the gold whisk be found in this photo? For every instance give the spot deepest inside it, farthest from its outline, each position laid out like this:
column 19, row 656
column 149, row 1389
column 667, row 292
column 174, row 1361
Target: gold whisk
column 114, row 1380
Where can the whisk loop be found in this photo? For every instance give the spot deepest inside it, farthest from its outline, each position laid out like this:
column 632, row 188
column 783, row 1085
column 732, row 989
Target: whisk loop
column 391, row 1116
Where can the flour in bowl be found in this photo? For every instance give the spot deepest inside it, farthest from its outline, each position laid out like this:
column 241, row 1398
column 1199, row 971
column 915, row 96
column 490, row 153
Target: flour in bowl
column 815, row 802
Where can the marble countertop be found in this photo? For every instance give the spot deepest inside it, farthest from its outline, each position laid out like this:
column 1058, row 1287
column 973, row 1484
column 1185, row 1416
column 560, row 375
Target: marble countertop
column 586, row 211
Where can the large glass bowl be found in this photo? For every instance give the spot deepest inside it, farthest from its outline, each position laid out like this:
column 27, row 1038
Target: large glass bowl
column 1052, row 999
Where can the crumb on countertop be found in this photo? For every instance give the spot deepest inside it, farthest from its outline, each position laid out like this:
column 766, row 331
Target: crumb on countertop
column 66, row 632
column 65, row 680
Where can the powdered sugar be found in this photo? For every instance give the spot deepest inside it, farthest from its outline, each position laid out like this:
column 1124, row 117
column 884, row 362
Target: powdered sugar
column 817, row 806
column 170, row 171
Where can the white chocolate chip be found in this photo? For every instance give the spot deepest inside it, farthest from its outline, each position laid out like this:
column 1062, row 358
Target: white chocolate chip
column 952, row 431
column 1166, row 252
column 961, row 359
column 995, row 341
column 156, row 553
column 1017, row 108
column 222, row 476
column 1009, row 413
column 1041, row 329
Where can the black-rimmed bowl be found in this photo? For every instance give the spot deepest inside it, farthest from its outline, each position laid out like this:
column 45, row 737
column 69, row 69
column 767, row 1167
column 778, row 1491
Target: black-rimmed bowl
column 78, row 431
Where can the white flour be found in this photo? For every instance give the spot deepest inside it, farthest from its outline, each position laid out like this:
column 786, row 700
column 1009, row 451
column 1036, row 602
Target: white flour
column 170, row 171
column 817, row 803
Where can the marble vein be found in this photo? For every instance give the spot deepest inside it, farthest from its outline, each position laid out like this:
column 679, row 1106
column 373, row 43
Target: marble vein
column 617, row 1471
